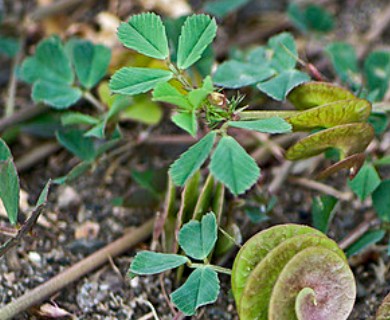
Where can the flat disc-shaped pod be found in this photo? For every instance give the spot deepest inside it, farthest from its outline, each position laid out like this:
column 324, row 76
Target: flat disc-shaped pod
column 333, row 288
column 257, row 247
column 331, row 114
column 348, row 138
column 256, row 296
column 352, row 163
column 313, row 94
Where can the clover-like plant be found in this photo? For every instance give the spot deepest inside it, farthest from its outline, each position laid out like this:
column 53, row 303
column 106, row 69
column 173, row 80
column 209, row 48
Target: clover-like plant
column 292, row 272
column 197, row 239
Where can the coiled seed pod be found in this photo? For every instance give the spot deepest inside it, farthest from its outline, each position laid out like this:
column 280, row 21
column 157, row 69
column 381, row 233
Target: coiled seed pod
column 292, row 272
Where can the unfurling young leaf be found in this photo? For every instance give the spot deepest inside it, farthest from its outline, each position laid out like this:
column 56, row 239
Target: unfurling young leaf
column 201, row 288
column 145, row 33
column 148, row 262
column 131, row 81
column 197, row 239
column 191, row 160
column 233, row 166
column 197, row 33
column 9, row 183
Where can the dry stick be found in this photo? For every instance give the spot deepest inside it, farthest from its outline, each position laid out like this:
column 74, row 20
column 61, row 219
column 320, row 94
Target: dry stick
column 76, row 271
column 361, row 229
column 36, row 155
column 22, row 115
column 10, row 107
column 57, row 7
column 311, row 184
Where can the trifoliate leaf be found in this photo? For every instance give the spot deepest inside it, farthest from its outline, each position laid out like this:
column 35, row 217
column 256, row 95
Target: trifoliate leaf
column 148, row 262
column 145, row 33
column 90, row 62
column 197, row 33
column 57, row 95
column 365, row 182
column 280, row 86
column 233, row 166
column 197, row 239
column 201, row 288
column 191, row 160
column 285, row 53
column 381, row 200
column 165, row 92
column 236, row 74
column 50, row 63
column 317, row 18
column 271, row 125
column 132, row 81
column 186, row 121
column 9, row 185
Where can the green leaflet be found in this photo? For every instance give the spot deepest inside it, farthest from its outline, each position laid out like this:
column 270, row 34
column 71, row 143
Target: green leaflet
column 284, row 52
column 55, row 94
column 365, row 182
column 148, row 262
column 197, row 33
column 235, row 74
column 9, row 185
column 131, row 81
column 281, row 85
column 201, row 288
column 191, row 160
column 145, row 33
column 270, row 125
column 187, row 121
column 198, row 238
column 90, row 62
column 369, row 238
column 381, row 200
column 50, row 63
column 231, row 165
column 322, row 210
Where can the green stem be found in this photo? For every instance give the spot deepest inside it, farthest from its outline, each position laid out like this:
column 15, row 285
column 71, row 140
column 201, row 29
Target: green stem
column 259, row 115
column 211, row 266
column 95, row 102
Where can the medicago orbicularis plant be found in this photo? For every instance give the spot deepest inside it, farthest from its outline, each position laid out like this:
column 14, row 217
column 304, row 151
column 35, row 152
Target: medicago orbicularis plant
column 199, row 105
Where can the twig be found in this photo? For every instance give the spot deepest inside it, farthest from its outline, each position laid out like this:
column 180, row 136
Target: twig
column 55, row 8
column 361, row 229
column 280, row 177
column 36, row 155
column 10, row 106
column 311, row 184
column 22, row 115
column 76, row 271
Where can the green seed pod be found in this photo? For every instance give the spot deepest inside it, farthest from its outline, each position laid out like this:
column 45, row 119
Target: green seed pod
column 292, row 272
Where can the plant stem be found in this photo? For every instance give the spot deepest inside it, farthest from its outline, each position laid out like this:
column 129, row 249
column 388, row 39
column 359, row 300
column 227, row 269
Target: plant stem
column 259, row 115
column 95, row 102
column 211, row 266
column 76, row 271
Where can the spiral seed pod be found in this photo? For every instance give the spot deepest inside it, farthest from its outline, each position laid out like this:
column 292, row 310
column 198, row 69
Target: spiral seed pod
column 384, row 309
column 292, row 272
